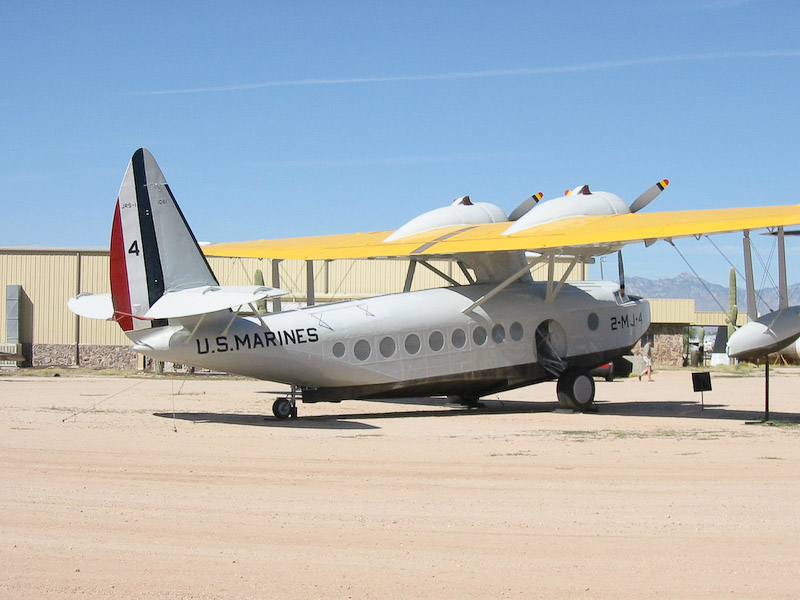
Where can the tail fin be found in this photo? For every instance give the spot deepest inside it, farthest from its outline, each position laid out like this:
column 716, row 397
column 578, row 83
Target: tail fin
column 157, row 269
column 153, row 251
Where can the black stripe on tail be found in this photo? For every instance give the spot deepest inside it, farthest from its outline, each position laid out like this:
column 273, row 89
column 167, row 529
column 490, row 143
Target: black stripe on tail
column 152, row 258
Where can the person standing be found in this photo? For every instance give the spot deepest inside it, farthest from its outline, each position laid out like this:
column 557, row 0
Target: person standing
column 647, row 357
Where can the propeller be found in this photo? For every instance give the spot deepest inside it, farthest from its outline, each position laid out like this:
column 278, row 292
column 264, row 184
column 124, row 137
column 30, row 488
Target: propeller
column 525, row 206
column 647, row 196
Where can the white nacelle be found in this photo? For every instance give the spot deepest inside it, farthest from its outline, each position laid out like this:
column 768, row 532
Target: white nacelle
column 573, row 205
column 461, row 212
column 767, row 334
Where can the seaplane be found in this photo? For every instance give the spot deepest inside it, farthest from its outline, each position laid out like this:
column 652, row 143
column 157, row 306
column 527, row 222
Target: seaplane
column 499, row 331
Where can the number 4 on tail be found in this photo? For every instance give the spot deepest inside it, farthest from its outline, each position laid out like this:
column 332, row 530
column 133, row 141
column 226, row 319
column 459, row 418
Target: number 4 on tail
column 134, row 249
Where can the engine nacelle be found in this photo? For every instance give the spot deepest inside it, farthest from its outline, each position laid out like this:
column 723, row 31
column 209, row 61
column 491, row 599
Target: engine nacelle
column 579, row 203
column 461, row 212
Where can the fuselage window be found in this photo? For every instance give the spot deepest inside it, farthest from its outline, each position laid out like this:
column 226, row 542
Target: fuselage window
column 412, row 343
column 459, row 338
column 362, row 350
column 516, row 331
column 387, row 347
column 479, row 336
column 498, row 334
column 338, row 349
column 436, row 341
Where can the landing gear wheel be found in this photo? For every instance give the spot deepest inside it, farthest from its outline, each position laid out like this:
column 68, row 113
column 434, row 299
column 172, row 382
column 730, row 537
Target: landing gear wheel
column 282, row 409
column 575, row 389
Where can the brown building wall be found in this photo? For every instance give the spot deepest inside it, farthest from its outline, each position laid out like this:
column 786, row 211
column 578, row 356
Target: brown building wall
column 667, row 344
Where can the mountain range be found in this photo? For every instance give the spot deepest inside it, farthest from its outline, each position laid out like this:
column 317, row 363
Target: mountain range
column 687, row 285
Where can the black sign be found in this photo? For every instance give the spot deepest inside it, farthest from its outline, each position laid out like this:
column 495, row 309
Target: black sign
column 701, row 381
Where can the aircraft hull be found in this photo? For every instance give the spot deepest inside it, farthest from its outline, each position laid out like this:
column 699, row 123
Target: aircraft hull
column 419, row 343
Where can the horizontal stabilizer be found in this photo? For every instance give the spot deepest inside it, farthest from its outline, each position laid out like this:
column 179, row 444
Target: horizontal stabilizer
column 208, row 299
column 92, row 306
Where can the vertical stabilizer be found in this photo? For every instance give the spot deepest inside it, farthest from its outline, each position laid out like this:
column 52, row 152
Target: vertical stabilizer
column 153, row 251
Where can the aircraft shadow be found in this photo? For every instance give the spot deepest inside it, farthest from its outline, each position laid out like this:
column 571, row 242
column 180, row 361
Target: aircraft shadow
column 328, row 422
column 354, row 421
column 688, row 410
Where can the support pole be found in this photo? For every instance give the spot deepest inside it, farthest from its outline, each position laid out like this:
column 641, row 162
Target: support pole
column 77, row 318
column 766, row 389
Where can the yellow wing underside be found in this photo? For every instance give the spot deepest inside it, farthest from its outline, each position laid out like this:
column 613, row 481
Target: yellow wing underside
column 578, row 235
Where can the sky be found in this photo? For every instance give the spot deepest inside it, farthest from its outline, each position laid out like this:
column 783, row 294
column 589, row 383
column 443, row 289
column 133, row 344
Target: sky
column 283, row 119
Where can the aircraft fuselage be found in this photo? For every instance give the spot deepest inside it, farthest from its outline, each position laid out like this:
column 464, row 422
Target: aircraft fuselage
column 417, row 343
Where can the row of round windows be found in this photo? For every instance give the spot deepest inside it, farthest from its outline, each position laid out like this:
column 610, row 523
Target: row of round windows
column 387, row 347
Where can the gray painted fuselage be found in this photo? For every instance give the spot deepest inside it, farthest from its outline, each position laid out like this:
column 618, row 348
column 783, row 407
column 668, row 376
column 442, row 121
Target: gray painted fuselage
column 416, row 343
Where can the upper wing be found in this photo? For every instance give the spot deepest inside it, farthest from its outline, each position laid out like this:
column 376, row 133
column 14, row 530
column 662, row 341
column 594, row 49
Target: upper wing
column 586, row 236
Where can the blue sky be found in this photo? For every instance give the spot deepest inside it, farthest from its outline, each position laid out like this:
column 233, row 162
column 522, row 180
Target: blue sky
column 283, row 119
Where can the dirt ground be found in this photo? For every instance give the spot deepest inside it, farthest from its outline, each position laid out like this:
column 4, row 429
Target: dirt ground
column 164, row 488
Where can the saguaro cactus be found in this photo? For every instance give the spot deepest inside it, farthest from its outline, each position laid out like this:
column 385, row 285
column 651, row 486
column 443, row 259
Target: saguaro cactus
column 733, row 309
column 258, row 279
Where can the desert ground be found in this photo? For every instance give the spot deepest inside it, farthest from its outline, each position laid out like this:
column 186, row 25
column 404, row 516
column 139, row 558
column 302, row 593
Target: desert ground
column 115, row 487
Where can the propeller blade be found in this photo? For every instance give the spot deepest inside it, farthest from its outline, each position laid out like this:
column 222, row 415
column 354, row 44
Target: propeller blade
column 621, row 267
column 525, row 206
column 649, row 195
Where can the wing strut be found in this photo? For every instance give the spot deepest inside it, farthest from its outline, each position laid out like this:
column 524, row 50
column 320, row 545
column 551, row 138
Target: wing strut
column 552, row 293
column 412, row 267
column 466, row 272
column 532, row 262
column 310, row 295
column 782, row 286
column 440, row 273
column 752, row 313
column 276, row 280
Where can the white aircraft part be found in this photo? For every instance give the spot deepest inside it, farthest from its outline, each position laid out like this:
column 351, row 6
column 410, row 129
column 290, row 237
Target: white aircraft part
column 92, row 306
column 475, row 213
column 409, row 337
column 207, row 299
column 565, row 207
column 791, row 351
column 767, row 334
column 183, row 264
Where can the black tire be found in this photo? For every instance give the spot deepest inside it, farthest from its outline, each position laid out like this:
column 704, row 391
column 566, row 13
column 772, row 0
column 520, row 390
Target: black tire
column 468, row 401
column 282, row 409
column 575, row 389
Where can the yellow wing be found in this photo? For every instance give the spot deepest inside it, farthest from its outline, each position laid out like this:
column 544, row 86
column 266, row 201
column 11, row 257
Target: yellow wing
column 573, row 236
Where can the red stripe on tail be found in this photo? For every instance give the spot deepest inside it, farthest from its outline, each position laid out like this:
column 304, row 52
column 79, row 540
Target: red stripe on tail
column 120, row 291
